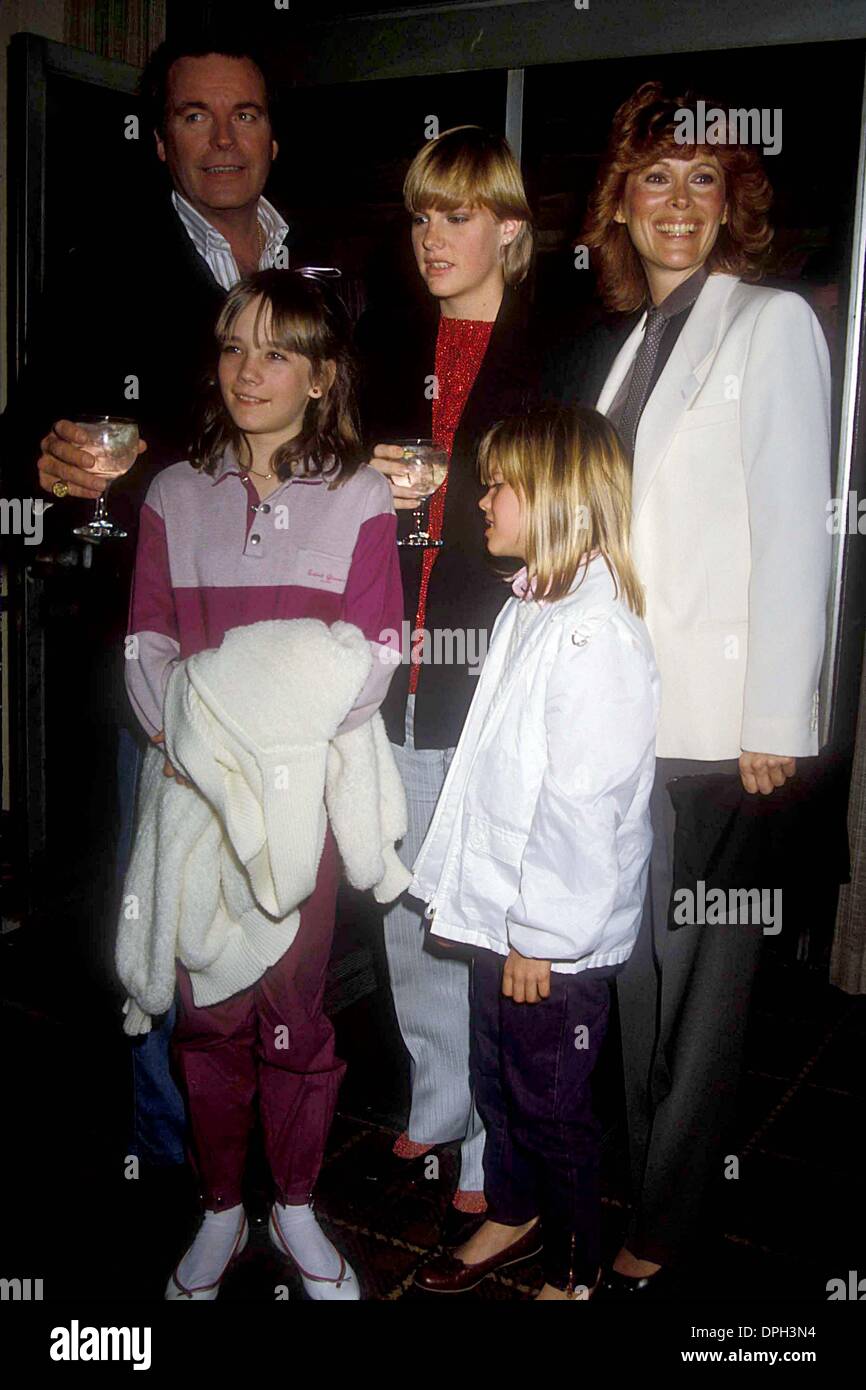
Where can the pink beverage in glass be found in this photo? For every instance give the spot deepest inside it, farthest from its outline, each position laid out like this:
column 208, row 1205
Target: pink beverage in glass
column 114, row 447
column 112, row 465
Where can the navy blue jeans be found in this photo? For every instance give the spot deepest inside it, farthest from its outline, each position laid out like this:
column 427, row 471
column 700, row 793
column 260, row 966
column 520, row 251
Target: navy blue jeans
column 159, row 1118
column 531, row 1067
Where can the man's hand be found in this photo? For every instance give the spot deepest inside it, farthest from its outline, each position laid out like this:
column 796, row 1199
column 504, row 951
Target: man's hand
column 761, row 772
column 388, row 460
column 167, row 769
column 524, row 980
column 64, row 460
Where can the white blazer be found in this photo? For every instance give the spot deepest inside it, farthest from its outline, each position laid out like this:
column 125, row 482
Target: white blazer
column 729, row 521
column 541, row 835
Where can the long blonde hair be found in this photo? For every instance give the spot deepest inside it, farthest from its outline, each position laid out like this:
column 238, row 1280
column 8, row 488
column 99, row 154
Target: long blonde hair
column 572, row 476
column 471, row 167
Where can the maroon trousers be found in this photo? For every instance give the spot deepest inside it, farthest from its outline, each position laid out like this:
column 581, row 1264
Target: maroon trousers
column 272, row 1041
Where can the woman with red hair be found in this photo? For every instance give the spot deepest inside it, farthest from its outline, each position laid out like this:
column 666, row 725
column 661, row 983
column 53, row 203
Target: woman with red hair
column 720, row 391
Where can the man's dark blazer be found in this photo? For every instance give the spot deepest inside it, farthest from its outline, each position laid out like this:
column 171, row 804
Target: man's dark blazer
column 397, row 349
column 141, row 304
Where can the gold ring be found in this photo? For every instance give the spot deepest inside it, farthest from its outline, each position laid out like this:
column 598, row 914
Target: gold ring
column 60, row 489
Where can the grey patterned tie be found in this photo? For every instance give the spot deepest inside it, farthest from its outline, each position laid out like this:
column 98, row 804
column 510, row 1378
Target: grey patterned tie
column 640, row 379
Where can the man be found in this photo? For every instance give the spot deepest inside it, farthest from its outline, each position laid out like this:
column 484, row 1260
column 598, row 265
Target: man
column 209, row 111
column 129, row 332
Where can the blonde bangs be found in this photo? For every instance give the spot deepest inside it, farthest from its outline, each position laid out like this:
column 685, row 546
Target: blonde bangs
column 495, row 455
column 469, row 167
column 572, row 475
column 440, row 184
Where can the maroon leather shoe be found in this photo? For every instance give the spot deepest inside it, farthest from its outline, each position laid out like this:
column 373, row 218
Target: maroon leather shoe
column 446, row 1274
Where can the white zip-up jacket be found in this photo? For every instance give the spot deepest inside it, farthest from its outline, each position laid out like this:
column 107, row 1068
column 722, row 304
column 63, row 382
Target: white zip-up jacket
column 541, row 837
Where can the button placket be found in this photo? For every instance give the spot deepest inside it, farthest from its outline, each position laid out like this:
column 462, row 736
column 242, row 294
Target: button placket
column 255, row 540
column 251, row 541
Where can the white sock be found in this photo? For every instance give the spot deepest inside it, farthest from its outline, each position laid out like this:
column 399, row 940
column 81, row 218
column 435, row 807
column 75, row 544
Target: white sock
column 208, row 1255
column 307, row 1241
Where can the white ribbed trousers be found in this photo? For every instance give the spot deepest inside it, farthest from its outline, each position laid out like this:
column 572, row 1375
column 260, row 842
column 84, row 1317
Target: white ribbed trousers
column 431, row 991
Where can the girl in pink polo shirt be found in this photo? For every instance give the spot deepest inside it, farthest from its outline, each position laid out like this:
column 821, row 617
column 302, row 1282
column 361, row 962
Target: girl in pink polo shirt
column 274, row 516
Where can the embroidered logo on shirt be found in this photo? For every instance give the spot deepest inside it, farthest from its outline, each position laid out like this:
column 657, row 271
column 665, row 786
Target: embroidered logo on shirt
column 325, row 578
column 316, row 569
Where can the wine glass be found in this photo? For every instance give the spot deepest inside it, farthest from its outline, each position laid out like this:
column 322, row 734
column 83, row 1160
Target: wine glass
column 426, row 470
column 114, row 446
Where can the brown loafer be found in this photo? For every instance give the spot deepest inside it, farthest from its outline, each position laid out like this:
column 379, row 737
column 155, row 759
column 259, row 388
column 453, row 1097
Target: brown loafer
column 447, row 1274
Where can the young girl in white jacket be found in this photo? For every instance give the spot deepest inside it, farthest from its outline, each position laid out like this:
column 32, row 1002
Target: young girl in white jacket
column 537, row 853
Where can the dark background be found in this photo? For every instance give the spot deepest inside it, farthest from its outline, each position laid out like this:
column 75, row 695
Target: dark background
column 344, row 152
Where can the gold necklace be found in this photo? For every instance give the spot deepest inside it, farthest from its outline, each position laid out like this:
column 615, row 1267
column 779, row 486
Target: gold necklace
column 249, row 469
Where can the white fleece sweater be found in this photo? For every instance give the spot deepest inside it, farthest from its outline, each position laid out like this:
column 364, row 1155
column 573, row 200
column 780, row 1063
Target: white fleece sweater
column 218, row 870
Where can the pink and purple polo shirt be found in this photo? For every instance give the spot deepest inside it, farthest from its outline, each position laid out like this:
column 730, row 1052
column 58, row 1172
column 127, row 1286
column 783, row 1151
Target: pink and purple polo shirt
column 212, row 557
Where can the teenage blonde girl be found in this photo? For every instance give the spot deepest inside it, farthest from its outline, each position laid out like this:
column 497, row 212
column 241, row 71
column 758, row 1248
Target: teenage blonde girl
column 447, row 369
column 536, row 857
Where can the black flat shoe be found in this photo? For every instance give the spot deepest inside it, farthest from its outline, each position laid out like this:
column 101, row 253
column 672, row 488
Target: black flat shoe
column 618, row 1286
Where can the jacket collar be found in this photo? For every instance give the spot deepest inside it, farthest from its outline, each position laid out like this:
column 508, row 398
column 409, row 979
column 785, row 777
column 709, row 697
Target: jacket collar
column 683, row 375
column 591, row 582
column 505, row 356
column 586, row 607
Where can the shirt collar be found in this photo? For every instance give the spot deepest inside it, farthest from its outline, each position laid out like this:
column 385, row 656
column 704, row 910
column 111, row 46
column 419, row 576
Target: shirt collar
column 520, row 584
column 229, row 465
column 205, row 237
column 685, row 294
column 226, row 465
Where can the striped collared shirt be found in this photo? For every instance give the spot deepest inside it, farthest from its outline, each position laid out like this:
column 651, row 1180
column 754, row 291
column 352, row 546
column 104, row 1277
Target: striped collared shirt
column 213, row 248
column 212, row 557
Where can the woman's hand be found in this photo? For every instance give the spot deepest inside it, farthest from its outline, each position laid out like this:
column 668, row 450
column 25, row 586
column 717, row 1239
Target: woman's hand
column 761, row 772
column 388, row 459
column 167, row 769
column 525, row 980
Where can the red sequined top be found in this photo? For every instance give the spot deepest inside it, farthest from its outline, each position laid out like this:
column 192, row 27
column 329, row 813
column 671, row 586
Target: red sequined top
column 460, row 348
